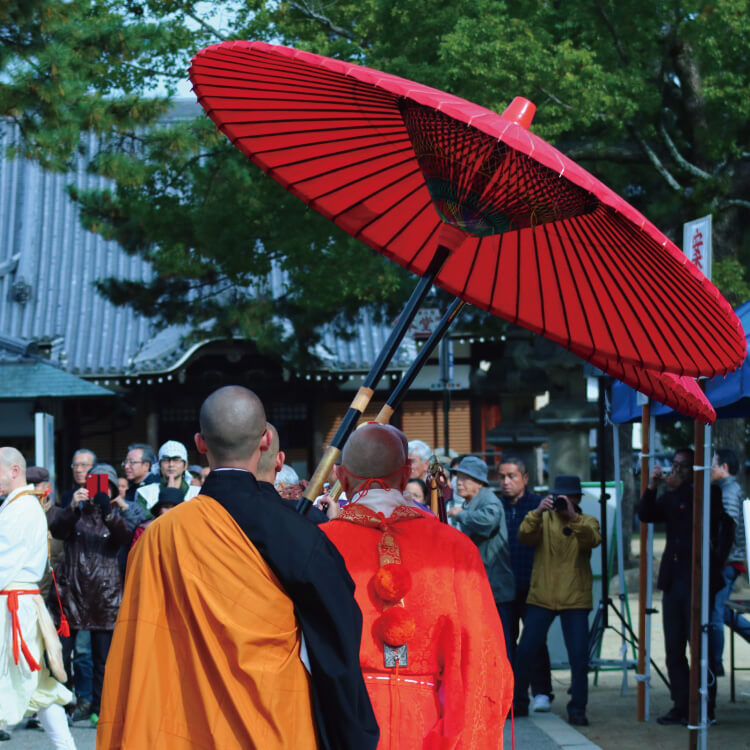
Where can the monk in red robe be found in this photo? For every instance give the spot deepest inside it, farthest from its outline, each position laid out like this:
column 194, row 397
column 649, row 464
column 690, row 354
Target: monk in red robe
column 432, row 652
column 238, row 627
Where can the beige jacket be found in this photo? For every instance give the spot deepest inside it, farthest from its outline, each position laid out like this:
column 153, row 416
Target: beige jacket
column 561, row 577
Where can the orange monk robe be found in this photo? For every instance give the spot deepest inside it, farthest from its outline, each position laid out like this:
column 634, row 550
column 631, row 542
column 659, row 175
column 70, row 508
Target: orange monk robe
column 457, row 688
column 206, row 651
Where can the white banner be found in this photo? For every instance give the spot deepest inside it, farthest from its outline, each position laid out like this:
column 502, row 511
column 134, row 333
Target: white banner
column 696, row 243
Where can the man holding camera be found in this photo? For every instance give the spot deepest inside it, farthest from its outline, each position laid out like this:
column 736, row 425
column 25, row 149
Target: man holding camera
column 674, row 508
column 561, row 583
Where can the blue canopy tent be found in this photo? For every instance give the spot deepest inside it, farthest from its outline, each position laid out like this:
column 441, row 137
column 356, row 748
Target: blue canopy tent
column 729, row 394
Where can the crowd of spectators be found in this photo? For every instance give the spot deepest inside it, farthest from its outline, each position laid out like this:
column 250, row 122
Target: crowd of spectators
column 536, row 551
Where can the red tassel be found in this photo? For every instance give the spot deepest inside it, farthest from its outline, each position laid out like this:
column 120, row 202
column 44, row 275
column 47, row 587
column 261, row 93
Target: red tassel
column 395, row 626
column 392, row 582
column 64, row 629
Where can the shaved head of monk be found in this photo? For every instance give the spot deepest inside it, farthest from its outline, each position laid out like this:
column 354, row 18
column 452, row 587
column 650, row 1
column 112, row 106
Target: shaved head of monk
column 233, row 427
column 375, row 450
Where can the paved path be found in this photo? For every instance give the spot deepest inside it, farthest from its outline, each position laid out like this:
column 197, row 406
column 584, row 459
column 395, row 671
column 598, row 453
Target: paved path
column 534, row 732
column 36, row 739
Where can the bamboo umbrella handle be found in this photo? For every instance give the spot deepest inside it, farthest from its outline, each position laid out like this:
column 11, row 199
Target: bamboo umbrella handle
column 450, row 238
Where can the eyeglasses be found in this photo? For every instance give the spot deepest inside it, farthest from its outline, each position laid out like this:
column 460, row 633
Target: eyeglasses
column 131, row 462
column 81, row 466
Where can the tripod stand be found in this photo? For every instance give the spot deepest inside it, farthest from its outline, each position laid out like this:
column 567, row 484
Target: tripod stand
column 601, row 619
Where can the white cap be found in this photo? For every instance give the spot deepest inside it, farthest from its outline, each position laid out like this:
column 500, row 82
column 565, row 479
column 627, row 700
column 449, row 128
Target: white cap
column 173, row 449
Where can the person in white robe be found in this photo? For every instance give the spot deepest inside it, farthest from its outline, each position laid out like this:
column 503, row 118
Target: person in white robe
column 28, row 641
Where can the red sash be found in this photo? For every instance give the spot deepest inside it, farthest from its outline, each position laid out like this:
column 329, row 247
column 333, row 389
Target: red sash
column 15, row 626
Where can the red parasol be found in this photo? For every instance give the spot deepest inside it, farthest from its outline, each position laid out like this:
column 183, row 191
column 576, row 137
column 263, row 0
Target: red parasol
column 683, row 394
column 546, row 245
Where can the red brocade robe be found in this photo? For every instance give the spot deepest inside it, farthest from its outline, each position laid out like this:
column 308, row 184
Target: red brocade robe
column 457, row 688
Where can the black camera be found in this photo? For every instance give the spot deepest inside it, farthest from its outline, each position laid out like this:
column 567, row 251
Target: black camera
column 559, row 503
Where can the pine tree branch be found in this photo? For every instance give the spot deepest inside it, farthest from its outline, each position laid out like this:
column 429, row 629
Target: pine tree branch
column 739, row 202
column 679, row 158
column 303, row 7
column 551, row 96
column 152, row 72
column 657, row 162
column 207, row 26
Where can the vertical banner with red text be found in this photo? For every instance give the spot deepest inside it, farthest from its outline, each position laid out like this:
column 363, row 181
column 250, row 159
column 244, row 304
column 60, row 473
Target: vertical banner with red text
column 696, row 243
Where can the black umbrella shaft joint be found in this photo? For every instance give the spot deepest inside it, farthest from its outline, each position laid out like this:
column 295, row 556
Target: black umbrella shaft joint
column 449, row 239
column 394, row 400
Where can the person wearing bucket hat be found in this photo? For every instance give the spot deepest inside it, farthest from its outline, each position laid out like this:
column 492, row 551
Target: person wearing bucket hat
column 563, row 537
column 482, row 517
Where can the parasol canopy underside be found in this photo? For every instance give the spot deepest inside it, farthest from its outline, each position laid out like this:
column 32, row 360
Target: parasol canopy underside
column 548, row 246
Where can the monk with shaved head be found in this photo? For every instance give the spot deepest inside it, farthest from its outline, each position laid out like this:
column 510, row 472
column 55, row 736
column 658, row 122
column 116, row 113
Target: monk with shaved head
column 432, row 652
column 271, row 463
column 29, row 646
column 238, row 627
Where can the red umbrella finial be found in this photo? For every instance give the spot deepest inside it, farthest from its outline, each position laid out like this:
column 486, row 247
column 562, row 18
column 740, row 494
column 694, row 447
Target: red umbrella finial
column 521, row 111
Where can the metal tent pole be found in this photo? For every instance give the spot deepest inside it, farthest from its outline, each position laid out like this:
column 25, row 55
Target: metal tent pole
column 705, row 602
column 649, row 572
column 645, row 592
column 696, row 589
column 705, row 613
column 620, row 553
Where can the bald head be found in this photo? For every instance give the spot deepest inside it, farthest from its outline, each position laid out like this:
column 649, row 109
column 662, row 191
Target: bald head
column 12, row 470
column 269, row 463
column 233, row 422
column 376, row 450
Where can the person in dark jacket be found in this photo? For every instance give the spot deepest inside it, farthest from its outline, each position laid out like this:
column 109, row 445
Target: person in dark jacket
column 517, row 502
column 83, row 460
column 674, row 507
column 482, row 517
column 137, row 467
column 89, row 577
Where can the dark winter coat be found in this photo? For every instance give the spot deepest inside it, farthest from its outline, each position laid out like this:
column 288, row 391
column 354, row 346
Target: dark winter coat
column 675, row 509
column 89, row 575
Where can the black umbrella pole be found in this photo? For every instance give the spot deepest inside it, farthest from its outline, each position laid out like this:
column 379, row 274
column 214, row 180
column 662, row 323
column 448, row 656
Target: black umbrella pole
column 367, row 389
column 398, row 393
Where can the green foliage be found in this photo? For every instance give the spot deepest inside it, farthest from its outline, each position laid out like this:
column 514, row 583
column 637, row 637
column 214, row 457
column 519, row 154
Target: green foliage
column 649, row 95
column 731, row 277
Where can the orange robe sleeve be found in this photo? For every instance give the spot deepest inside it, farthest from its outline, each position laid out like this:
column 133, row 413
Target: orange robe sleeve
column 206, row 650
column 477, row 684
